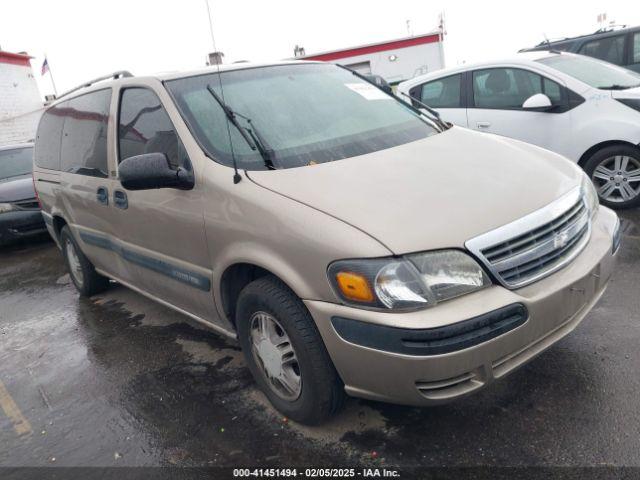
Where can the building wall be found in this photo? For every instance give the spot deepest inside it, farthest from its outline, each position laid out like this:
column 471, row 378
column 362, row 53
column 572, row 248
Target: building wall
column 395, row 61
column 20, row 102
column 409, row 62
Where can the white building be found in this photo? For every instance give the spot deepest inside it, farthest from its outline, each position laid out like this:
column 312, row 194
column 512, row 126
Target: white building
column 394, row 60
column 20, row 101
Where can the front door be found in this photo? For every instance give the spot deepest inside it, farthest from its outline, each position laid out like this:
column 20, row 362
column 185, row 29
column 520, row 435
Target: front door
column 162, row 230
column 496, row 107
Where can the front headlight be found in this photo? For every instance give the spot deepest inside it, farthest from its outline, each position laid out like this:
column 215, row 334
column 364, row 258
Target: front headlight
column 590, row 195
column 6, row 207
column 404, row 283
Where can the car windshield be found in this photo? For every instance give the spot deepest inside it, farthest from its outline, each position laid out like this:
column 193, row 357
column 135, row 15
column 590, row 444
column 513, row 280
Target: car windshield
column 593, row 72
column 15, row 162
column 306, row 114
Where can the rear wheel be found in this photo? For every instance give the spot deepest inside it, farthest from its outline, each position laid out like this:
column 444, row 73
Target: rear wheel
column 615, row 171
column 81, row 270
column 285, row 352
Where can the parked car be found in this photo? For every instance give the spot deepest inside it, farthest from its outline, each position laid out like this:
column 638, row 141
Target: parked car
column 20, row 215
column 580, row 107
column 349, row 242
column 618, row 46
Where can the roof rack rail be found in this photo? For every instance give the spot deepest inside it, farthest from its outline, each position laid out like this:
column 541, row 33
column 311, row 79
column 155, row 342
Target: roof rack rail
column 111, row 76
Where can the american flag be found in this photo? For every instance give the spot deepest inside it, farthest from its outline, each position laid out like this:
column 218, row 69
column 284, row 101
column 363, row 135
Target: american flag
column 45, row 67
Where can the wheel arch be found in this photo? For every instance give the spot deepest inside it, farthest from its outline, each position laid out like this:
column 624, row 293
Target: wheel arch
column 58, row 223
column 599, row 146
column 234, row 278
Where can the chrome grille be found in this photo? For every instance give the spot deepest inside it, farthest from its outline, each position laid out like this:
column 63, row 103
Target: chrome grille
column 537, row 245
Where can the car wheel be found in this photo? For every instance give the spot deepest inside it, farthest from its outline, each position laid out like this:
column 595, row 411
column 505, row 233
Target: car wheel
column 81, row 270
column 285, row 352
column 615, row 171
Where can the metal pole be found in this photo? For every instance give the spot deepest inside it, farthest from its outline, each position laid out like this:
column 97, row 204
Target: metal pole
column 55, row 90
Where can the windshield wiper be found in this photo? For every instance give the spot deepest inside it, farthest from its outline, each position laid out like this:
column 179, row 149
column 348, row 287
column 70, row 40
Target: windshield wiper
column 433, row 117
column 263, row 146
column 618, row 87
column 433, row 112
column 250, row 135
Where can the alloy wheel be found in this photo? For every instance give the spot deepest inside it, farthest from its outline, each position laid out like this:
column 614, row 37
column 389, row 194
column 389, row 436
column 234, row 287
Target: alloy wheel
column 617, row 178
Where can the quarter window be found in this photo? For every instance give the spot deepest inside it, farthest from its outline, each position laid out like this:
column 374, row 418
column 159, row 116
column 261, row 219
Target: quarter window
column 442, row 93
column 508, row 88
column 48, row 138
column 636, row 48
column 610, row 49
column 84, row 140
column 144, row 127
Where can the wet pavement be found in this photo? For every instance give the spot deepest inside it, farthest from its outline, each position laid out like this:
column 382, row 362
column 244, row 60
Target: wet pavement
column 118, row 380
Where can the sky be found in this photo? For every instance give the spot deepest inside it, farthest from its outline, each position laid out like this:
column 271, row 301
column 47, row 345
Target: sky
column 86, row 39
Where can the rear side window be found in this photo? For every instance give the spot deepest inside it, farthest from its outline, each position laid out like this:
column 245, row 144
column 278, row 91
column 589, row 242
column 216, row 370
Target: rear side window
column 84, row 139
column 144, row 127
column 442, row 93
column 508, row 88
column 610, row 49
column 48, row 138
column 636, row 48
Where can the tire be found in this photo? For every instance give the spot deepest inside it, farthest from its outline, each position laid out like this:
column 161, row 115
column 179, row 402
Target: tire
column 321, row 392
column 81, row 270
column 608, row 169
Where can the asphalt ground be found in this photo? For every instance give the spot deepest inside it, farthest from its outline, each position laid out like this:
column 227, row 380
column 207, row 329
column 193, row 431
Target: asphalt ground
column 118, row 380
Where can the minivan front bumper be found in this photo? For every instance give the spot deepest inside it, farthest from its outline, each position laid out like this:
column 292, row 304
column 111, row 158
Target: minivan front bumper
column 460, row 346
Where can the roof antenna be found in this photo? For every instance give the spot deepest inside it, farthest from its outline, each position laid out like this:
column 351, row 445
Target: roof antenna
column 236, row 175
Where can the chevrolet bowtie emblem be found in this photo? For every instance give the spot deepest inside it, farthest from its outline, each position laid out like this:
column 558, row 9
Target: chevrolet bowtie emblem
column 560, row 240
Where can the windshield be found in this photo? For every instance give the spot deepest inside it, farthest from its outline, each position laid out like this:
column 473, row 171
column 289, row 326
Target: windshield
column 307, row 114
column 14, row 162
column 593, row 72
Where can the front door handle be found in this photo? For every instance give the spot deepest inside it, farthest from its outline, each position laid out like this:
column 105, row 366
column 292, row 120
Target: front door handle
column 483, row 125
column 120, row 199
column 102, row 195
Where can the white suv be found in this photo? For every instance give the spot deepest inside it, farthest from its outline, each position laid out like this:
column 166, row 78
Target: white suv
column 583, row 108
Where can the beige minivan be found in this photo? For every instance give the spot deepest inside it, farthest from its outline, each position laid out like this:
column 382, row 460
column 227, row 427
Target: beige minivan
column 348, row 241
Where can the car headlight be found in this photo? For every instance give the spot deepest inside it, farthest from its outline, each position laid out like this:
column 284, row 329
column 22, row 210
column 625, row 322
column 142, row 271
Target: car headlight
column 414, row 281
column 6, row 207
column 590, row 195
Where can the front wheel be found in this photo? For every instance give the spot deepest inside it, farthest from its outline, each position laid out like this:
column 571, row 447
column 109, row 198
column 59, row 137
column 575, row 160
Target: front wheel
column 285, row 352
column 615, row 171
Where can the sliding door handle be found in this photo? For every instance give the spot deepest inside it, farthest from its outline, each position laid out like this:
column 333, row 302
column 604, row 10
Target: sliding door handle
column 120, row 199
column 102, row 195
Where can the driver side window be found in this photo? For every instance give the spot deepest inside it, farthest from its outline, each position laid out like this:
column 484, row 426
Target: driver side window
column 144, row 127
column 508, row 88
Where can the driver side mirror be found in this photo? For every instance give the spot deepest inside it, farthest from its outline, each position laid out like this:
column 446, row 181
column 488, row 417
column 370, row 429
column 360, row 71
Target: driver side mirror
column 152, row 170
column 539, row 102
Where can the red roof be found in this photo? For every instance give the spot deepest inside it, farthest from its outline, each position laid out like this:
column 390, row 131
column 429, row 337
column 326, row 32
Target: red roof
column 15, row 58
column 374, row 48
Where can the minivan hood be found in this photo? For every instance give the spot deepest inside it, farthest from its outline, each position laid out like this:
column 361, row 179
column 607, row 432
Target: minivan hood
column 16, row 188
column 433, row 193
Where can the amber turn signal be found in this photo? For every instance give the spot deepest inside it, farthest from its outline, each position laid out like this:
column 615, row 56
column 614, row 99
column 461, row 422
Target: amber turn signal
column 354, row 287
